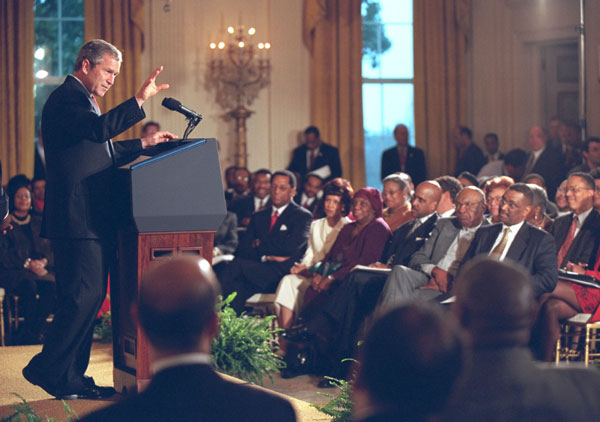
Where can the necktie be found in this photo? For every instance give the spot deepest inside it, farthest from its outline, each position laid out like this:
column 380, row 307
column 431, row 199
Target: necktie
column 562, row 253
column 261, row 205
column 305, row 205
column 273, row 219
column 402, row 158
column 313, row 156
column 530, row 163
column 97, row 106
column 499, row 249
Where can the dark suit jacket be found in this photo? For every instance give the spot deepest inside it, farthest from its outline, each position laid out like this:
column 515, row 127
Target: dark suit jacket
column 197, row 393
column 402, row 246
column 584, row 246
column 289, row 236
column 244, row 208
column 328, row 155
column 80, row 161
column 311, row 208
column 551, row 166
column 414, row 166
column 472, row 160
column 533, row 248
column 506, row 384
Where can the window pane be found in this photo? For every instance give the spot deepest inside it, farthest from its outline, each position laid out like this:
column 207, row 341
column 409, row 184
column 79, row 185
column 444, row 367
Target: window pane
column 384, row 106
column 45, row 8
column 397, row 62
column 46, row 37
column 72, row 8
column 397, row 11
column 41, row 93
column 72, row 40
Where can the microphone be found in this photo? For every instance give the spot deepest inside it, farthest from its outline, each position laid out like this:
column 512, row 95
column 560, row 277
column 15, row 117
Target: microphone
column 173, row 104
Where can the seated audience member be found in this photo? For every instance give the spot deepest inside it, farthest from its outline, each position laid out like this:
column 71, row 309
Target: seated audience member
column 577, row 235
column 514, row 164
column 240, row 187
column 433, row 267
column 538, row 217
column 38, row 191
column 229, row 178
column 596, row 176
column 501, row 382
column 337, row 199
column 360, row 242
column 467, row 179
column 396, row 197
column 494, row 189
column 562, row 205
column 176, row 311
column 226, row 238
column 403, row 157
column 259, row 200
column 519, row 241
column 492, row 148
column 451, row 186
column 343, row 313
column 591, row 156
column 150, row 128
column 408, row 364
column 316, row 156
column 546, row 161
column 573, row 146
column 26, row 265
column 470, row 157
column 567, row 300
column 311, row 192
column 275, row 240
column 538, row 180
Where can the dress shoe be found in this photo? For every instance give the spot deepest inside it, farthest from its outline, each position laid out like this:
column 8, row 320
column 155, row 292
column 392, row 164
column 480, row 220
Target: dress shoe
column 298, row 334
column 298, row 363
column 89, row 393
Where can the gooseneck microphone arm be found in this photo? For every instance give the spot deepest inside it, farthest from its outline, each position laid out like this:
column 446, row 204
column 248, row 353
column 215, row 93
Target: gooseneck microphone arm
column 191, row 116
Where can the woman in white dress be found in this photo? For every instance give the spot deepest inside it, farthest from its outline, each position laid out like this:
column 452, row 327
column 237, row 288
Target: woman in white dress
column 337, row 197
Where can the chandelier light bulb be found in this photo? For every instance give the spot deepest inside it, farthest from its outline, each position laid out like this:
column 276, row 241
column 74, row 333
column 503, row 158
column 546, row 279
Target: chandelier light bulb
column 212, row 45
column 261, row 46
column 41, row 74
column 221, row 45
column 267, row 45
column 241, row 44
column 251, row 31
column 230, row 29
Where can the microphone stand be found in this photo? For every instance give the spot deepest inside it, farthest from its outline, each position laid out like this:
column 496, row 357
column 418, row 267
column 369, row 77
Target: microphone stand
column 192, row 123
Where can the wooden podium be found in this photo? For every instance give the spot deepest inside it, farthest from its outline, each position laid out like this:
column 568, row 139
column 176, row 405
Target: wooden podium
column 173, row 202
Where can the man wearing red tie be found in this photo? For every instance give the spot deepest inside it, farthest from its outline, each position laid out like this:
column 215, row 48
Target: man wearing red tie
column 276, row 238
column 79, row 214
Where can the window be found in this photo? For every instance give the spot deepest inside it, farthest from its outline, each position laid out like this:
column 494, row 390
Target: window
column 387, row 71
column 58, row 37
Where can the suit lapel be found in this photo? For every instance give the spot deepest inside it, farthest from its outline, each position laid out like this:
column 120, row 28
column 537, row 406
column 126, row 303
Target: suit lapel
column 520, row 243
column 494, row 231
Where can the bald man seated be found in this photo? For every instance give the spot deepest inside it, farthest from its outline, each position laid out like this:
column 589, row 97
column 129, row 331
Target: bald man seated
column 176, row 311
column 495, row 303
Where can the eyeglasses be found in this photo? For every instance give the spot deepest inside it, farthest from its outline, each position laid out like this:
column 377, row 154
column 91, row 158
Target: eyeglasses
column 575, row 189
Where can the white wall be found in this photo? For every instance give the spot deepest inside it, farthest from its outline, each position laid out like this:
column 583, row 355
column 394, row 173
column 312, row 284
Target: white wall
column 179, row 41
column 505, row 64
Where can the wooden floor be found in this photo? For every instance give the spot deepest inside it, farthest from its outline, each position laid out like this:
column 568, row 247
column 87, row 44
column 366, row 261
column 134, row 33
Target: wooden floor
column 300, row 390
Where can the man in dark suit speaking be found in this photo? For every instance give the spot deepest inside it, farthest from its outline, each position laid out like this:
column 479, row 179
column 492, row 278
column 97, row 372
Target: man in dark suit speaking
column 79, row 210
column 176, row 310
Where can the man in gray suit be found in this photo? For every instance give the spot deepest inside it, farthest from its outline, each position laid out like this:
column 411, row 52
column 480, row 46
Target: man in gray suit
column 495, row 303
column 432, row 267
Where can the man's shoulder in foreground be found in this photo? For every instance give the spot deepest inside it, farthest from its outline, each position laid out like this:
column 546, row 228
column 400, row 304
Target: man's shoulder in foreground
column 200, row 394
